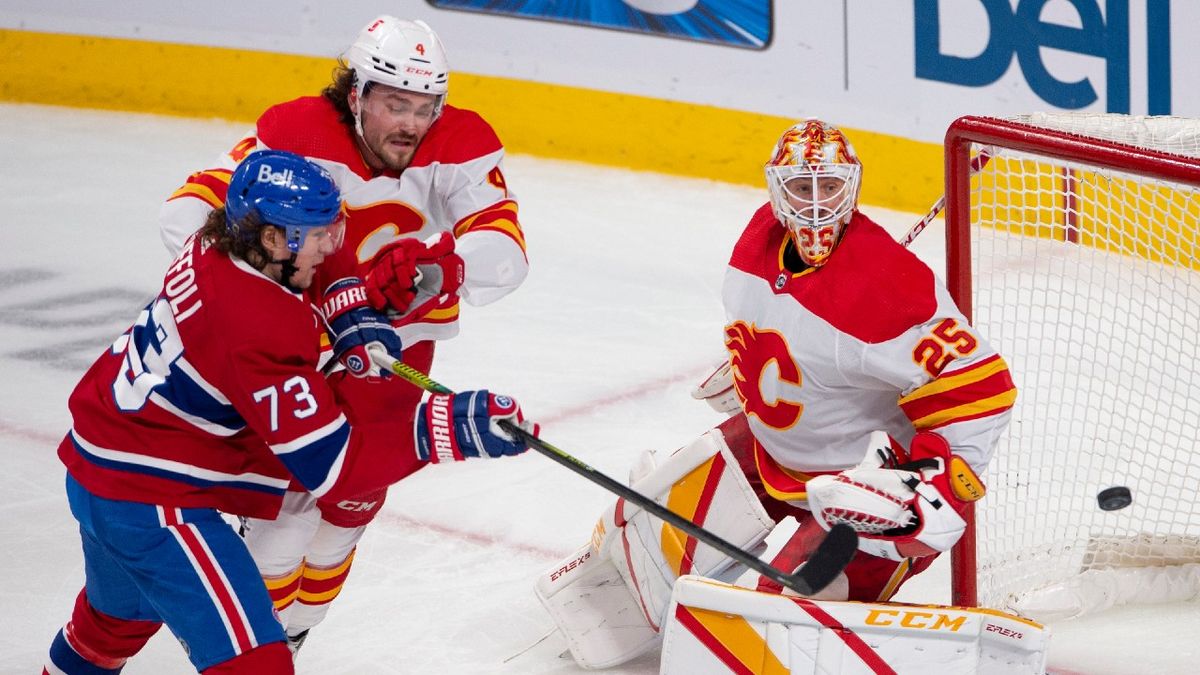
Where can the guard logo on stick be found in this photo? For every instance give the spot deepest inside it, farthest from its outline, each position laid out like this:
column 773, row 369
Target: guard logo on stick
column 1114, row 498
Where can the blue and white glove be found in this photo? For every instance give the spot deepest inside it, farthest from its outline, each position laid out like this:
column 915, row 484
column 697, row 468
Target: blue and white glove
column 453, row 427
column 357, row 331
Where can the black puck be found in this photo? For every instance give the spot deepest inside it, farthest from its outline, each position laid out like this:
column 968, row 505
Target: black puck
column 1114, row 498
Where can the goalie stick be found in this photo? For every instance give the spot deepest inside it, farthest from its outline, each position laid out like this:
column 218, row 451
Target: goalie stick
column 823, row 566
column 977, row 163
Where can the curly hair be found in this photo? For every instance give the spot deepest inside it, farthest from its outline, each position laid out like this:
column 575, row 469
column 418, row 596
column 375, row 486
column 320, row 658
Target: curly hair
column 338, row 92
column 244, row 243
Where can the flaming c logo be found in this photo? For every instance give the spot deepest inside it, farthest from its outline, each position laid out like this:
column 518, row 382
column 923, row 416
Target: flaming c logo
column 375, row 225
column 751, row 351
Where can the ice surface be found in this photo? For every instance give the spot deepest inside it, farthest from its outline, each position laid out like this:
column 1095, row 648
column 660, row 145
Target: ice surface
column 619, row 317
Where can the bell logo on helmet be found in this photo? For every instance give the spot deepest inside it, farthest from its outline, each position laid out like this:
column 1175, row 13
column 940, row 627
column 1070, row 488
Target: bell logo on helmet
column 268, row 175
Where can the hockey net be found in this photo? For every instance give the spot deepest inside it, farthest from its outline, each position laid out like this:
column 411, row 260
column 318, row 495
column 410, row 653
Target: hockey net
column 1075, row 250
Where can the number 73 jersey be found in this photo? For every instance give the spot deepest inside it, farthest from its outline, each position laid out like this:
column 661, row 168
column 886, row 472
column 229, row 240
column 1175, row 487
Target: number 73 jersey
column 213, row 399
column 869, row 341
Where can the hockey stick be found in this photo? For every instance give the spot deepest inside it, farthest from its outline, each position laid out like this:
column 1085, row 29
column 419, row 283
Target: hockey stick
column 823, row 566
column 977, row 163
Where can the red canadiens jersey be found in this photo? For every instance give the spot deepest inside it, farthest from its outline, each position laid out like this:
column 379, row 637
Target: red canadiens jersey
column 212, row 399
column 455, row 183
column 869, row 341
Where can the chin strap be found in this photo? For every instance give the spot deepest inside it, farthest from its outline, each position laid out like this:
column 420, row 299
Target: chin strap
column 289, row 268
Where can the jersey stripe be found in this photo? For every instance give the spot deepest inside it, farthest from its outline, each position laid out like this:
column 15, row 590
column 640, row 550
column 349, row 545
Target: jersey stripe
column 170, row 469
column 983, row 389
column 316, row 458
column 208, row 569
column 198, row 421
column 209, row 186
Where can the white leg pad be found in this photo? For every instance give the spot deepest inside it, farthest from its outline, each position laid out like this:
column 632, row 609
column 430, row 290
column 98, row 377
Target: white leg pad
column 701, row 481
column 717, row 628
column 588, row 600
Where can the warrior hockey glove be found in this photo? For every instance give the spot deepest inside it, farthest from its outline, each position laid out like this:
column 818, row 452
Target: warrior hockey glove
column 356, row 330
column 409, row 277
column 452, row 427
column 901, row 507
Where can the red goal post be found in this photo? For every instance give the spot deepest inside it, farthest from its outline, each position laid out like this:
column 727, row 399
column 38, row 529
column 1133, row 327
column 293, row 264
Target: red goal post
column 1076, row 251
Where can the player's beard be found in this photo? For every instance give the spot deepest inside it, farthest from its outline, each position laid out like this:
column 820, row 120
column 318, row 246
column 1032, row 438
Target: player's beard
column 395, row 157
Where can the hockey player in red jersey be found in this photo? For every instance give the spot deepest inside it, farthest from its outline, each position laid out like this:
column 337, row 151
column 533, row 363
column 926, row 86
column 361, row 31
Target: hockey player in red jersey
column 430, row 223
column 859, row 393
column 213, row 401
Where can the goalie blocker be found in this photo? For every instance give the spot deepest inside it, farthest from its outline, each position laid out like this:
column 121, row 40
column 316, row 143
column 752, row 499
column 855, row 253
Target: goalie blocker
column 611, row 597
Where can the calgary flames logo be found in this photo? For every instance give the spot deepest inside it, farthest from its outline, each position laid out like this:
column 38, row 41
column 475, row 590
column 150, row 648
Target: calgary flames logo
column 374, row 225
column 751, row 351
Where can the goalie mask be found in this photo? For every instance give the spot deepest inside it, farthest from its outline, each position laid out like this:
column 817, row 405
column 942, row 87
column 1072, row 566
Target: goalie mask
column 403, row 54
column 813, row 178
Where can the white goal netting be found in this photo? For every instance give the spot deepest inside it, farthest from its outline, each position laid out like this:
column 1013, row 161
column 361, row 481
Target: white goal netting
column 1087, row 280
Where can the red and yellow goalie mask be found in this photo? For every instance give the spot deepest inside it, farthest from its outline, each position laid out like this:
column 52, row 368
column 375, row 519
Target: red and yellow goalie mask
column 813, row 179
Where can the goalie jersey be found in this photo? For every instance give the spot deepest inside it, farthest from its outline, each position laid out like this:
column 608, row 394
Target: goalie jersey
column 869, row 341
column 212, row 399
column 455, row 183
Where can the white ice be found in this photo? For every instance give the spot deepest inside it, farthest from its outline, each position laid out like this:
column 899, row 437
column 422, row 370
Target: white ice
column 619, row 317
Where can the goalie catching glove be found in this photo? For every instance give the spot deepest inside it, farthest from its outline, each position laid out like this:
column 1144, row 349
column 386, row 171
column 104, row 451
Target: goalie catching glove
column 902, row 506
column 409, row 277
column 356, row 331
column 453, row 427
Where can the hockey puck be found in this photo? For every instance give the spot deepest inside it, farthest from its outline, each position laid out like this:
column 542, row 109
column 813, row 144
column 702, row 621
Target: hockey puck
column 1114, row 498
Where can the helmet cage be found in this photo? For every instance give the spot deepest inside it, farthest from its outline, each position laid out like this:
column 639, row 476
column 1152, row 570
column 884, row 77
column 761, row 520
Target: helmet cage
column 813, row 215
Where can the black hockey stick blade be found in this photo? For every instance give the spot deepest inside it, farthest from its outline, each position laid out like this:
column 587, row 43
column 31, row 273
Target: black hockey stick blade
column 827, row 561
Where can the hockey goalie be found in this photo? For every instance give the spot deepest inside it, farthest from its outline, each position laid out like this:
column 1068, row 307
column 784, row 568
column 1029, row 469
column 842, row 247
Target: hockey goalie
column 859, row 394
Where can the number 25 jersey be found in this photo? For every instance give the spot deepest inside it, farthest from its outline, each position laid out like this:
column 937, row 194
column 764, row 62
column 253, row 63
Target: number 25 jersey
column 869, row 341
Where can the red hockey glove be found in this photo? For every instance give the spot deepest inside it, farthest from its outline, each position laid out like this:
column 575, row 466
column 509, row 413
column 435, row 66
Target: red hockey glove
column 409, row 277
column 452, row 427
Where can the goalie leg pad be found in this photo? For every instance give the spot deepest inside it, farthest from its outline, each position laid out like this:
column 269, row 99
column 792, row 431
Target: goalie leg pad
column 702, row 482
column 590, row 604
column 715, row 628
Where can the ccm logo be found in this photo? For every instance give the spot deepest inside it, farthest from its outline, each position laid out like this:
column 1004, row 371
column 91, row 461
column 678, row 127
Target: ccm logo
column 348, row 505
column 914, row 619
column 1006, row 632
column 418, row 71
column 570, row 566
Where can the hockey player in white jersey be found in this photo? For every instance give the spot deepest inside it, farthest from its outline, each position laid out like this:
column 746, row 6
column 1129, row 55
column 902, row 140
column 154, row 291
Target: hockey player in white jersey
column 860, row 394
column 430, row 223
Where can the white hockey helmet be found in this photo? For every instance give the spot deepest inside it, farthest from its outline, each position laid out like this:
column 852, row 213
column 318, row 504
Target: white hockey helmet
column 402, row 54
column 813, row 178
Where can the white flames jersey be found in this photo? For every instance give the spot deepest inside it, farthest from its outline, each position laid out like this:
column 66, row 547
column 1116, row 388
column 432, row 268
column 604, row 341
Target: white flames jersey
column 455, row 183
column 869, row 341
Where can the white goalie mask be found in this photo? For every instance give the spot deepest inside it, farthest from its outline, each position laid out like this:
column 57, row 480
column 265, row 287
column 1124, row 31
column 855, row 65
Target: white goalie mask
column 813, row 178
column 403, row 54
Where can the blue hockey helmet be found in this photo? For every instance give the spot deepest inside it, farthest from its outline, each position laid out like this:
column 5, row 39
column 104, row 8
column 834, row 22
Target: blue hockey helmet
column 285, row 190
